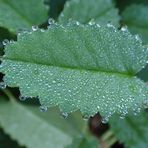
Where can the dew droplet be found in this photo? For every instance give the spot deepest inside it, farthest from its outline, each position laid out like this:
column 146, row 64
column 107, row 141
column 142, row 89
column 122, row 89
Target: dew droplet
column 104, row 120
column 85, row 117
column 5, row 42
column 3, row 85
column 53, row 81
column 91, row 22
column 43, row 108
column 98, row 25
column 42, row 30
column 122, row 116
column 137, row 37
column 35, row 28
column 64, row 115
column 22, row 98
column 51, row 21
column 124, row 28
column 110, row 25
column 12, row 41
column 77, row 23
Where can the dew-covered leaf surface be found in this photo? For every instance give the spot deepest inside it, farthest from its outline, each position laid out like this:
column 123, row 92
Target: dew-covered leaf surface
column 21, row 14
column 136, row 18
column 132, row 131
column 85, row 67
column 101, row 11
column 35, row 129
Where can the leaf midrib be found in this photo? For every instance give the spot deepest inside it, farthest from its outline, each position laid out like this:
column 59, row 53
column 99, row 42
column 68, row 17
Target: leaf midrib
column 121, row 74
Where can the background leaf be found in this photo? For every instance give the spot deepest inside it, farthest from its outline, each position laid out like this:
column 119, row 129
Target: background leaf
column 6, row 141
column 56, row 6
column 136, row 18
column 33, row 128
column 22, row 14
column 89, row 67
column 83, row 142
column 133, row 130
column 102, row 11
column 123, row 4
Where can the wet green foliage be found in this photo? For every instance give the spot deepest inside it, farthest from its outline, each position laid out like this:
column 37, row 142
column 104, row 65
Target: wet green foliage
column 81, row 56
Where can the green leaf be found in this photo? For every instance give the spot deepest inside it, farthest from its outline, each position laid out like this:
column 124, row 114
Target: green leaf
column 136, row 18
column 83, row 142
column 21, row 14
column 143, row 74
column 101, row 11
column 56, row 6
column 85, row 67
column 132, row 131
column 5, row 141
column 35, row 129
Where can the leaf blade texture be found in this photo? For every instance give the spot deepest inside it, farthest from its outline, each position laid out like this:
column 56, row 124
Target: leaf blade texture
column 100, row 11
column 134, row 127
column 15, row 15
column 78, row 67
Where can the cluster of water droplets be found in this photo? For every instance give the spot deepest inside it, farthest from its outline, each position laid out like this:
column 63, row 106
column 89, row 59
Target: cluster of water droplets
column 70, row 91
column 6, row 42
column 22, row 33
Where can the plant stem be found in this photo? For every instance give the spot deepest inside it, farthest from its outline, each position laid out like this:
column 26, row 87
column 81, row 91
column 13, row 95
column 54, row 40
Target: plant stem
column 107, row 135
column 108, row 138
column 112, row 141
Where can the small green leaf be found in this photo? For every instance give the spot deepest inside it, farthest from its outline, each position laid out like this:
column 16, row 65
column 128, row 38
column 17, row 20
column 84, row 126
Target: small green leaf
column 35, row 129
column 136, row 18
column 84, row 67
column 101, row 11
column 21, row 14
column 132, row 131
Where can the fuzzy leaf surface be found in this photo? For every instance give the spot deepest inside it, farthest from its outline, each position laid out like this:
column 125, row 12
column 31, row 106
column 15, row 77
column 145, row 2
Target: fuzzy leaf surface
column 21, row 14
column 101, row 11
column 78, row 67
